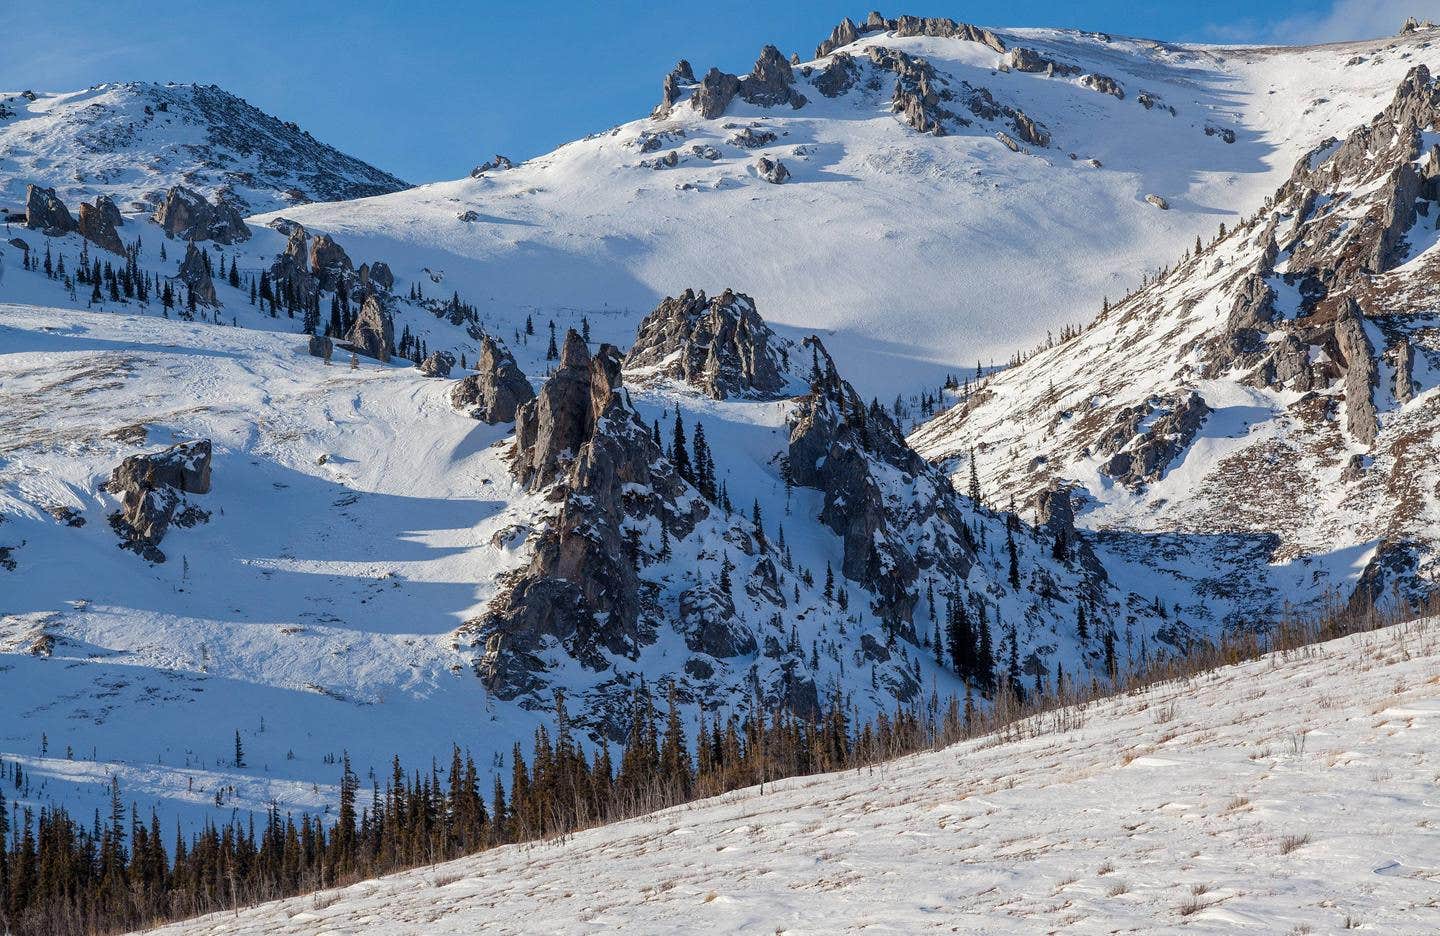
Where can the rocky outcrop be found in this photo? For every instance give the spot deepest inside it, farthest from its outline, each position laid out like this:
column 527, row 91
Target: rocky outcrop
column 580, row 591
column 195, row 274
column 329, row 263
column 1147, row 437
column 721, row 346
column 672, row 89
column 550, row 429
column 498, row 164
column 98, row 222
column 1360, row 374
column 496, row 390
column 376, row 276
column 840, row 75
column 771, row 81
column 715, row 93
column 373, row 333
column 290, row 273
column 186, row 215
column 437, row 364
column 938, row 27
column 1253, row 307
column 856, row 456
column 751, row 138
column 1103, row 84
column 45, row 212
column 771, row 170
column 1402, row 365
column 152, row 490
column 1028, row 60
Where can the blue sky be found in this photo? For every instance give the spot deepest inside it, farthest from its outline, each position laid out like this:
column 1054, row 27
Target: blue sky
column 427, row 90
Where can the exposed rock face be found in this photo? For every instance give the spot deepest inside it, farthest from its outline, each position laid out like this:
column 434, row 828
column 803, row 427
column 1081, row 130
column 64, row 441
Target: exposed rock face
column 715, row 93
column 437, row 364
column 188, row 216
column 152, row 488
column 580, row 590
column 1254, row 306
column 496, row 390
column 1148, row 436
column 44, row 211
column 771, row 170
column 770, row 81
column 196, row 277
column 1360, row 374
column 1104, row 84
column 329, row 263
column 550, row 429
column 840, row 75
column 1224, row 133
column 373, row 334
column 720, row 346
column 97, row 225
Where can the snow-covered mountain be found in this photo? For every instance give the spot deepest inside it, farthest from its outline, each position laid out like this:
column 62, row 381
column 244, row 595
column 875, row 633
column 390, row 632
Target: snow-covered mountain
column 1273, row 391
column 908, row 229
column 134, row 141
column 232, row 509
column 1292, row 794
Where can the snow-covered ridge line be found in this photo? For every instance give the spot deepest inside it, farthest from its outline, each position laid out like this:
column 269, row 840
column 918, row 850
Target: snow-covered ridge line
column 1206, row 805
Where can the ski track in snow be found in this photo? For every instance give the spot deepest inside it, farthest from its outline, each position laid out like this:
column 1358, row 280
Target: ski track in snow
column 1166, row 810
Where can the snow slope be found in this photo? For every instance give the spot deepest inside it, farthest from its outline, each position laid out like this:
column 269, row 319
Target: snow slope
column 135, row 140
column 913, row 254
column 1292, row 794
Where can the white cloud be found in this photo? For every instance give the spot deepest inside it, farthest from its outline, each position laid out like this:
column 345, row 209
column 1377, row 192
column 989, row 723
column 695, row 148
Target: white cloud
column 1356, row 19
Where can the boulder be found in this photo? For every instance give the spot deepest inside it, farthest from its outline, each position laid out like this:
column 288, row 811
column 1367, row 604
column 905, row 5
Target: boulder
column 496, row 390
column 373, row 333
column 152, row 488
column 97, row 225
column 320, row 346
column 1158, row 201
column 771, row 170
column 45, row 212
column 186, row 214
column 750, row 138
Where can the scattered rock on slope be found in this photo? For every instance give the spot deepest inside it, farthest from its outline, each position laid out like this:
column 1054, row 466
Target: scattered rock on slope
column 771, row 170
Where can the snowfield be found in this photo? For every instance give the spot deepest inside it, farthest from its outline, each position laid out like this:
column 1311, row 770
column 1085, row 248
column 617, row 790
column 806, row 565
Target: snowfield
column 1292, row 794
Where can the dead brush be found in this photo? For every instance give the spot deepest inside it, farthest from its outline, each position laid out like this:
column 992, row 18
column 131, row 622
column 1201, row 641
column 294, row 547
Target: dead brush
column 1290, row 843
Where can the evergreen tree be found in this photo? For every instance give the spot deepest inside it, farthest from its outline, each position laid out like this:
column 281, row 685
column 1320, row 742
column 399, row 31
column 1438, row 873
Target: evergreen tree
column 678, row 454
column 239, row 751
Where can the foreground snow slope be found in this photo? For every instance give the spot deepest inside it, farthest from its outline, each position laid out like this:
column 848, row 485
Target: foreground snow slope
column 1292, row 794
column 922, row 253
